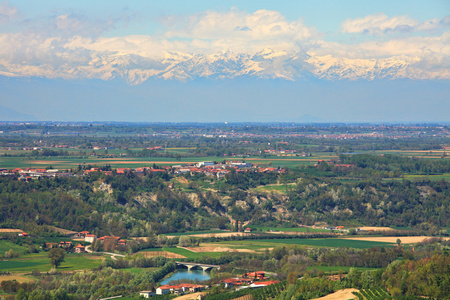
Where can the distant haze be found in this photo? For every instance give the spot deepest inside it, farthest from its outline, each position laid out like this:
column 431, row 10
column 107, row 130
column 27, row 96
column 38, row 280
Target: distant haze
column 230, row 100
column 208, row 61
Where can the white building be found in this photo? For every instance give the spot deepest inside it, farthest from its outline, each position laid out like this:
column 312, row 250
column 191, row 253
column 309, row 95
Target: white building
column 90, row 238
column 205, row 164
column 162, row 290
column 147, row 294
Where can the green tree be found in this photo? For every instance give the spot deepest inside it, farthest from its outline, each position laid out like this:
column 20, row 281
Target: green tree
column 56, row 256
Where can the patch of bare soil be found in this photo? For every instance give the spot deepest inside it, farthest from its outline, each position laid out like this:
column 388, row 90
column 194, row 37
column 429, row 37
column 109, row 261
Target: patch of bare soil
column 220, row 234
column 161, row 253
column 217, row 249
column 62, row 231
column 182, row 179
column 46, row 162
column 9, row 230
column 340, row 295
column 301, row 233
column 18, row 278
column 393, row 239
column 377, row 228
column 190, row 296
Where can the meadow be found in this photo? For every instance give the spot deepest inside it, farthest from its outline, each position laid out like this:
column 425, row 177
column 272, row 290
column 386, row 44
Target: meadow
column 329, row 242
column 7, row 245
column 40, row 262
column 287, row 229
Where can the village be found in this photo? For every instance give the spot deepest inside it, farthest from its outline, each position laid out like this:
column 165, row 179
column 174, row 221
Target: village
column 207, row 168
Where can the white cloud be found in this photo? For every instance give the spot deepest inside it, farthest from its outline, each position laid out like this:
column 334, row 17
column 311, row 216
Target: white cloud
column 382, row 24
column 7, row 12
column 222, row 45
column 238, row 30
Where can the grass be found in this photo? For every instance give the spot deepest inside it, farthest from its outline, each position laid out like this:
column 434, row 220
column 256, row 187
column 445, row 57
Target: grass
column 7, row 245
column 195, row 232
column 337, row 268
column 67, row 162
column 292, row 229
column 28, row 263
column 330, row 242
column 181, row 251
column 184, row 252
column 135, row 270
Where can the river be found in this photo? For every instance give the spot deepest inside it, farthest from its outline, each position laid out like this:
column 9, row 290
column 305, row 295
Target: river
column 185, row 274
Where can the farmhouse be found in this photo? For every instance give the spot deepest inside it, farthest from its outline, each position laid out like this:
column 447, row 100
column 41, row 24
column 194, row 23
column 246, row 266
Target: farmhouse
column 259, row 284
column 90, row 238
column 147, row 294
column 230, row 282
column 107, row 237
column 51, row 245
column 179, row 288
column 259, row 275
column 79, row 249
column 65, row 245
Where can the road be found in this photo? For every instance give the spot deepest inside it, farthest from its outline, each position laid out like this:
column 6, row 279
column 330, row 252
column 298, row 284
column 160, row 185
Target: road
column 113, row 255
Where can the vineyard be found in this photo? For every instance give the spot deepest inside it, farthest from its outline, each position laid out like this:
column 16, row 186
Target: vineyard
column 373, row 294
column 268, row 292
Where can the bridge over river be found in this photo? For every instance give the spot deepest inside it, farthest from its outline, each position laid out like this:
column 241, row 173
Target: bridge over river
column 190, row 265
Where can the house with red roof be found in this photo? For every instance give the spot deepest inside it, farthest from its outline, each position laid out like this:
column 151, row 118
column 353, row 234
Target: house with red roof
column 79, row 248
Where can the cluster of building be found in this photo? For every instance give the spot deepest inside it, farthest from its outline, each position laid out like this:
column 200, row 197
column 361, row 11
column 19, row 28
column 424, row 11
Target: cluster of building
column 208, row 168
column 30, row 173
column 90, row 238
column 182, row 288
column 253, row 280
column 66, row 246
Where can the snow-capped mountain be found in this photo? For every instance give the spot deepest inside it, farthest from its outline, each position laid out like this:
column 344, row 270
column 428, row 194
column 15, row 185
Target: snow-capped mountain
column 267, row 64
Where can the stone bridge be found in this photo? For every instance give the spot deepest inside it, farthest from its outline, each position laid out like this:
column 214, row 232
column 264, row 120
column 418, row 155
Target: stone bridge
column 189, row 265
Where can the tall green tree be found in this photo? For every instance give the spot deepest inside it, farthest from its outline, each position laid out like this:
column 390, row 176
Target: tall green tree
column 56, row 256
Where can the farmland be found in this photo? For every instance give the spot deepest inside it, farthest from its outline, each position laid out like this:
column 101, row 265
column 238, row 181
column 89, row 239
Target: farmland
column 330, row 242
column 41, row 263
column 7, row 245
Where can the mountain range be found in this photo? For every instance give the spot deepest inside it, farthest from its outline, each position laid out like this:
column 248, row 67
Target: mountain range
column 267, row 64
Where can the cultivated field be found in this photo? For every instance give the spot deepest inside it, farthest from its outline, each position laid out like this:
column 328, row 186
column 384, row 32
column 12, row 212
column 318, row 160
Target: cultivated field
column 40, row 262
column 376, row 228
column 10, row 230
column 206, row 248
column 262, row 244
column 18, row 278
column 161, row 253
column 393, row 239
column 345, row 294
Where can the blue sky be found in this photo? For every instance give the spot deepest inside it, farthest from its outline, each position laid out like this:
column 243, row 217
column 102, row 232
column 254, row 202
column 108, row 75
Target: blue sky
column 374, row 61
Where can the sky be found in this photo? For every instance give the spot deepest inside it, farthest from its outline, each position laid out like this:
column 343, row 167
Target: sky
column 225, row 61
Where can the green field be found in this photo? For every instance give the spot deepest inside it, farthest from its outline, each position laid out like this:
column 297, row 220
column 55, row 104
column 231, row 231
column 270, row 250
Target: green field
column 7, row 245
column 184, row 252
column 329, row 269
column 181, row 251
column 195, row 232
column 28, row 263
column 67, row 162
column 330, row 242
column 294, row 229
column 445, row 176
column 135, row 270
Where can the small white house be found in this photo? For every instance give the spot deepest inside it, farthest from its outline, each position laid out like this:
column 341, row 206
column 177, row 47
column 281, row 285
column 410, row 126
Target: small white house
column 205, row 164
column 90, row 238
column 147, row 294
column 162, row 290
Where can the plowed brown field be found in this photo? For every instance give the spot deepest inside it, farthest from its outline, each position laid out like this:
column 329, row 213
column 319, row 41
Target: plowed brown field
column 161, row 253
